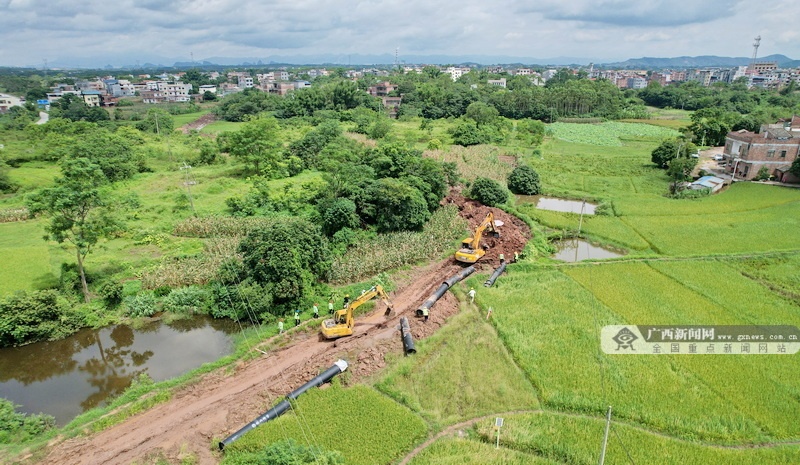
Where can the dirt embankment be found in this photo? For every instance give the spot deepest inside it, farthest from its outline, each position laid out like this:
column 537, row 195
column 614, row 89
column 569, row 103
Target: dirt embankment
column 222, row 402
column 199, row 123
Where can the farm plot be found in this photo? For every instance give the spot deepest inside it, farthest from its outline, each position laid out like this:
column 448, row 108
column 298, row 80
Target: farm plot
column 461, row 372
column 688, row 293
column 576, row 440
column 340, row 419
column 608, row 134
column 551, row 324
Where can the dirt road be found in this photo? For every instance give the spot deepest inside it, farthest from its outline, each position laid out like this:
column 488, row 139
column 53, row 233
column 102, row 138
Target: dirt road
column 222, row 402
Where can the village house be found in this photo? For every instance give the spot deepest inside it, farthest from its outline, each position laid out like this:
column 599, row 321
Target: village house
column 775, row 147
column 381, row 89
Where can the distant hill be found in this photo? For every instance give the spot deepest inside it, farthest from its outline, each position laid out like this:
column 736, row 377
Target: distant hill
column 697, row 62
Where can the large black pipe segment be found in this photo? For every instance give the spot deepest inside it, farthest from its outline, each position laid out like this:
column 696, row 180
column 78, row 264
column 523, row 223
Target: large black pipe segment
column 284, row 405
column 408, row 339
column 500, row 269
column 450, row 282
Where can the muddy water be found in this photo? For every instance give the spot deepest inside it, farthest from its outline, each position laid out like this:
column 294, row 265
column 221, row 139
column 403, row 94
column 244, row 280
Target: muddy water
column 575, row 250
column 64, row 378
column 556, row 204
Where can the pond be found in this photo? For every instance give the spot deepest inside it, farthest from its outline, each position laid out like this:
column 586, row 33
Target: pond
column 575, row 250
column 67, row 377
column 559, row 205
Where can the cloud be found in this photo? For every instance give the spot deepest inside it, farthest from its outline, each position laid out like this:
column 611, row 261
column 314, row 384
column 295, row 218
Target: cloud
column 642, row 13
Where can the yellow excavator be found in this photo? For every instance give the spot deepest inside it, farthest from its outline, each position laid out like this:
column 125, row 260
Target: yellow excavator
column 342, row 323
column 471, row 250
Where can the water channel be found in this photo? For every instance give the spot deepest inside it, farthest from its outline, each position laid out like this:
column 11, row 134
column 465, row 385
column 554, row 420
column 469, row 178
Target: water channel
column 558, row 205
column 575, row 250
column 67, row 377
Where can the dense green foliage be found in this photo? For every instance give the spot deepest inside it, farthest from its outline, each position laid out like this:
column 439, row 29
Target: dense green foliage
column 287, row 452
column 488, row 192
column 287, row 258
column 35, row 316
column 18, row 427
column 524, row 180
column 671, row 149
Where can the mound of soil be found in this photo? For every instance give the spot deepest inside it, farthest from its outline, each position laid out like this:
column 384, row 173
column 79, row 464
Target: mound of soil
column 199, row 123
column 514, row 233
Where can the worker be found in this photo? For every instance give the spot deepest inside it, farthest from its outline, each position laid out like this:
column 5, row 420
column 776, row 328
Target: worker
column 280, row 326
column 346, row 300
column 297, row 317
column 330, row 306
column 471, row 295
column 425, row 313
column 316, row 310
column 516, row 256
column 502, row 258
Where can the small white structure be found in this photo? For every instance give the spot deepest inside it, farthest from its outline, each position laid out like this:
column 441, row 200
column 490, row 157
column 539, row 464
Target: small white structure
column 708, row 182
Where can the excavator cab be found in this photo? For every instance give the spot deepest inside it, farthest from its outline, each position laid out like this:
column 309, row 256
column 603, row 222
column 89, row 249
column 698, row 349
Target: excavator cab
column 342, row 323
column 471, row 250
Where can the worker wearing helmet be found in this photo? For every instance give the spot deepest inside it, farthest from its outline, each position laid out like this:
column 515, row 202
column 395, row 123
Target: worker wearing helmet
column 471, row 294
column 425, row 313
column 346, row 300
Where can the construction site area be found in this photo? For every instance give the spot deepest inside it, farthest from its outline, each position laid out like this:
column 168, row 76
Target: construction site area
column 221, row 402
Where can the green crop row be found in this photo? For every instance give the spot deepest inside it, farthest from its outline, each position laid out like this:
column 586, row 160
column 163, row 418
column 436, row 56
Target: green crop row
column 608, row 134
column 393, row 250
column 365, row 426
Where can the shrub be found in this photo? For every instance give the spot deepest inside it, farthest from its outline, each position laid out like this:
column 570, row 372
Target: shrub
column 19, row 427
column 141, row 305
column 488, row 192
column 524, row 180
column 247, row 301
column 111, row 292
column 187, row 300
column 35, row 316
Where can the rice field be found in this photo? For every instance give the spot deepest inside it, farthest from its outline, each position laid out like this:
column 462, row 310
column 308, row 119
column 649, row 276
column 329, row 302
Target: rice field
column 365, row 426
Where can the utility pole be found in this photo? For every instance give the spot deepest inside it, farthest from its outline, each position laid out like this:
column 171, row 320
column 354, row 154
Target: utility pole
column 188, row 182
column 605, row 437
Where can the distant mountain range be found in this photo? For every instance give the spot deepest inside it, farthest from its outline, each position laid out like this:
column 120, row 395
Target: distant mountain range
column 158, row 62
column 699, row 62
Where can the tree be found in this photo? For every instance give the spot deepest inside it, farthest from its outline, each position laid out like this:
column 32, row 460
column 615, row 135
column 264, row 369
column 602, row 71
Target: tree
column 338, row 214
column 256, row 144
column 287, row 258
column 482, row 113
column 795, row 168
column 669, row 149
column 466, row 133
column 398, row 206
column 488, row 192
column 680, row 170
column 76, row 207
column 157, row 121
column 524, row 180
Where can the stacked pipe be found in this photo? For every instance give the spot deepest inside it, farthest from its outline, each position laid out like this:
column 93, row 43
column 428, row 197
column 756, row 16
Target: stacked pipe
column 408, row 340
column 495, row 275
column 450, row 282
column 284, row 405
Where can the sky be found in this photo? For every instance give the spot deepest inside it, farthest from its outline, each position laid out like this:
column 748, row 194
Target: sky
column 127, row 31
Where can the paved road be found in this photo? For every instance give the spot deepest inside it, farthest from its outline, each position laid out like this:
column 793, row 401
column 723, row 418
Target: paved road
column 43, row 118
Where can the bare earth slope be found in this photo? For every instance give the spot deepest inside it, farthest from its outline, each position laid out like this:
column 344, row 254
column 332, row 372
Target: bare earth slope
column 222, row 402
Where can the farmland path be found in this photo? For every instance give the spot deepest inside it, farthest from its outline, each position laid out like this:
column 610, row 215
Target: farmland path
column 450, row 430
column 219, row 403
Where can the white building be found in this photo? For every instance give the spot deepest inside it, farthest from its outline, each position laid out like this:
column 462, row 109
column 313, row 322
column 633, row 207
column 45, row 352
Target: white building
column 8, row 101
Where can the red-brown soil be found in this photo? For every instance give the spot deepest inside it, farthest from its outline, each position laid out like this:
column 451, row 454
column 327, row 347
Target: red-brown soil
column 199, row 123
column 227, row 399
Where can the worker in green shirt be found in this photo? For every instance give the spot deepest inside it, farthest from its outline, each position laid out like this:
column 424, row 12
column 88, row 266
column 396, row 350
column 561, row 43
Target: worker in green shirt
column 315, row 309
column 425, row 313
column 297, row 317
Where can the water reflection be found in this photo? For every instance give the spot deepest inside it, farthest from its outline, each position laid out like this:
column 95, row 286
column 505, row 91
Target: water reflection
column 559, row 205
column 575, row 250
column 64, row 378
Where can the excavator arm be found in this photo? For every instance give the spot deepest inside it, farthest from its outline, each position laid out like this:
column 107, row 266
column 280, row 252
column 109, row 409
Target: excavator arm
column 471, row 250
column 343, row 321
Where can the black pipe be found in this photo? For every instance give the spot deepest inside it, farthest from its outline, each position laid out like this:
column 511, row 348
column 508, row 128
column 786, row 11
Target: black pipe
column 284, row 405
column 449, row 282
column 496, row 274
column 408, row 339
